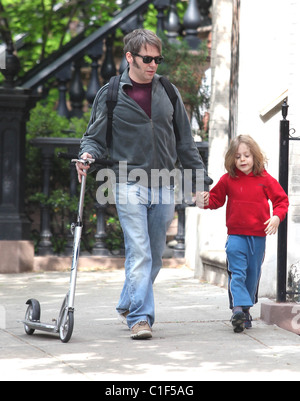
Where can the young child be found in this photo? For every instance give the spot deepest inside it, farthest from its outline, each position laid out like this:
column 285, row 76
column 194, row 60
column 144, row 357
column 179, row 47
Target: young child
column 248, row 187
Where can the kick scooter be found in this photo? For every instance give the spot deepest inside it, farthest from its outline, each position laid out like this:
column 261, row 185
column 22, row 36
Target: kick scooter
column 65, row 323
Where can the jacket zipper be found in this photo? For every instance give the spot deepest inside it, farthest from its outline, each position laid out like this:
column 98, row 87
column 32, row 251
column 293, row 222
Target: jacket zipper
column 155, row 164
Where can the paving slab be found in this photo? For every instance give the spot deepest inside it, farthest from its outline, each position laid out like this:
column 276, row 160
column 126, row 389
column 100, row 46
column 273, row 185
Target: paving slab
column 192, row 338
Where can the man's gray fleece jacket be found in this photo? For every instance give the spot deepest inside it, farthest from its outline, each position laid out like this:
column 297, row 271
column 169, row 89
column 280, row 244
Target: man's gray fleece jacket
column 142, row 142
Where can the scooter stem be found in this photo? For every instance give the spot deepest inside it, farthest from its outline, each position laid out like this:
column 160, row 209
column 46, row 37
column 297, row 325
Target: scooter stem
column 81, row 199
column 76, row 246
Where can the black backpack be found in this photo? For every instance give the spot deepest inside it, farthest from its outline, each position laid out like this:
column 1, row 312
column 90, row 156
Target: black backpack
column 112, row 99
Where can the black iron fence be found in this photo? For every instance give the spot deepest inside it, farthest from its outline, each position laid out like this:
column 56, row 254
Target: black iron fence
column 45, row 240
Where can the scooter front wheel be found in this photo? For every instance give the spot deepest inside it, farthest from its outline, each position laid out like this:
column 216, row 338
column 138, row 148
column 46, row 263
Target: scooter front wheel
column 66, row 322
column 66, row 328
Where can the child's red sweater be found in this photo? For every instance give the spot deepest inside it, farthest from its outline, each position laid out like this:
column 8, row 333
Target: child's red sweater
column 248, row 205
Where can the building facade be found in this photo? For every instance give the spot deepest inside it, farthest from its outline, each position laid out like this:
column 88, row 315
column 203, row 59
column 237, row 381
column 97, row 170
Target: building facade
column 254, row 68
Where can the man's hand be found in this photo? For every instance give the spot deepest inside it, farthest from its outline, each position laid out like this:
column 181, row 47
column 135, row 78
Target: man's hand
column 81, row 168
column 202, row 199
column 272, row 225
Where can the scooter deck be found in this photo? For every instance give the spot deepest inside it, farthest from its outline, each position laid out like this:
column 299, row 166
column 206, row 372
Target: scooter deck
column 41, row 326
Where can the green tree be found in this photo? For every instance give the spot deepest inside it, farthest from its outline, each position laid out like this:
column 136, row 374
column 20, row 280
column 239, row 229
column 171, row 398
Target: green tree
column 47, row 25
column 185, row 68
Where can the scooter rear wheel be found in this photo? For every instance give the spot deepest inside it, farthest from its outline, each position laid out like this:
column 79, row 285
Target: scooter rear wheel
column 33, row 314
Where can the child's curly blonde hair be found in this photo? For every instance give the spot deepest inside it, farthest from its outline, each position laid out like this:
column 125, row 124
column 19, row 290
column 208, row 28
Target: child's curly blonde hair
column 259, row 158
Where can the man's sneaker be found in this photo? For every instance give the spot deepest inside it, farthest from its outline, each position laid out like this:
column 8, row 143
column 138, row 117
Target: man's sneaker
column 141, row 331
column 238, row 322
column 123, row 317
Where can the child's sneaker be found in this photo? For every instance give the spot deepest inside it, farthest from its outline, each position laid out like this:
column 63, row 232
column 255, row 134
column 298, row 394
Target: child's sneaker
column 238, row 321
column 248, row 322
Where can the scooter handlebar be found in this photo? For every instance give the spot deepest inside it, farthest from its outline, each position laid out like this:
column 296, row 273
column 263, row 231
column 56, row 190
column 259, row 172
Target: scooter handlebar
column 74, row 159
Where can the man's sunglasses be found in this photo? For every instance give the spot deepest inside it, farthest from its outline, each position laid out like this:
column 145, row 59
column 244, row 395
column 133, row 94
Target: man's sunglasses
column 149, row 59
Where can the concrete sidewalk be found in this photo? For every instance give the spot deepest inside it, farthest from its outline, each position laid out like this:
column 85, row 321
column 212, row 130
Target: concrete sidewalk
column 193, row 339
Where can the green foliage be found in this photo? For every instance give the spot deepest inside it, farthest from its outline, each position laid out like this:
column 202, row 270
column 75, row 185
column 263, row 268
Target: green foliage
column 115, row 238
column 185, row 69
column 151, row 18
column 44, row 122
column 151, row 15
column 50, row 24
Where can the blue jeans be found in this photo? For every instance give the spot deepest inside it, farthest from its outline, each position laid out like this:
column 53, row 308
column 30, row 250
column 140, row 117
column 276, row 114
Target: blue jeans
column 145, row 215
column 245, row 256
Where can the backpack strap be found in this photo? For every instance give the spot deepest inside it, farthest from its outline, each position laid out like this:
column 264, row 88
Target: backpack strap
column 111, row 102
column 169, row 88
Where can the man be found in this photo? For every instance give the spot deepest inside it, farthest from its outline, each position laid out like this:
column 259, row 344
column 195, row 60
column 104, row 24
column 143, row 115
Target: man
column 143, row 136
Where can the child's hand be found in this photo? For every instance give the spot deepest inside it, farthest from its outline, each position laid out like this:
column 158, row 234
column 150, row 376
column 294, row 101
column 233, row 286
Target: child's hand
column 272, row 225
column 202, row 199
